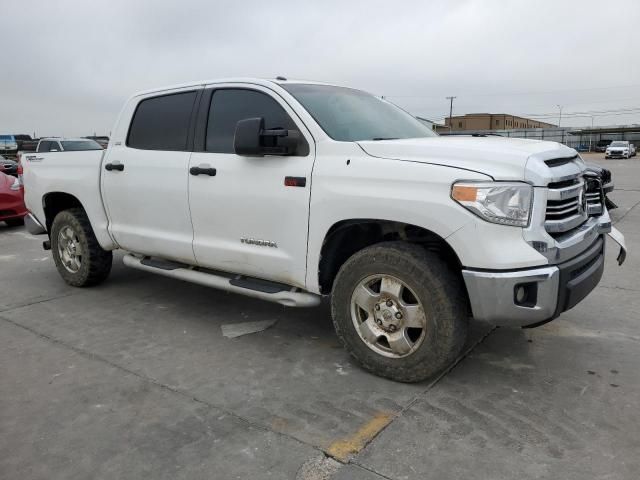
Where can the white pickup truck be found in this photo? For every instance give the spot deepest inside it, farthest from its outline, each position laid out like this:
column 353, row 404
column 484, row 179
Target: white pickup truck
column 289, row 191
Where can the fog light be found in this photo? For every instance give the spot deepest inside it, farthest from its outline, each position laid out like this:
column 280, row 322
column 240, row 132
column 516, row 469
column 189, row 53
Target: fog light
column 526, row 294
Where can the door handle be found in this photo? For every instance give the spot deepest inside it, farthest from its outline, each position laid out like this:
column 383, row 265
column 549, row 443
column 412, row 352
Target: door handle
column 114, row 166
column 203, row 170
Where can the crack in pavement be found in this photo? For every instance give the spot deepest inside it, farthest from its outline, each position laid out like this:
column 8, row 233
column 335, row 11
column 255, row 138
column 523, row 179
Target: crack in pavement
column 18, row 306
column 618, row 288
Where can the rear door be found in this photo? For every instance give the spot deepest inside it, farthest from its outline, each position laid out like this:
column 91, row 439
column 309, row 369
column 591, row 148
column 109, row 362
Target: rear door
column 252, row 216
column 145, row 178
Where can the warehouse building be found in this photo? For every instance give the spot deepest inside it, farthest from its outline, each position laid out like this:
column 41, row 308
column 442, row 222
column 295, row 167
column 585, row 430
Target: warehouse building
column 490, row 121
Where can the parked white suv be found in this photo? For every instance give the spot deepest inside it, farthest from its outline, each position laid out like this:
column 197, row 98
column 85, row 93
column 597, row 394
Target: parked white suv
column 620, row 149
column 288, row 191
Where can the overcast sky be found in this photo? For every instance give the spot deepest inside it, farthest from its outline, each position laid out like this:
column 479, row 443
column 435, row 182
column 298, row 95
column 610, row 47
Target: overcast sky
column 68, row 66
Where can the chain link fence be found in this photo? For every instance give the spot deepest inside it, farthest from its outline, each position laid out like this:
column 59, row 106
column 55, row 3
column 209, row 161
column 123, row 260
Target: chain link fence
column 581, row 139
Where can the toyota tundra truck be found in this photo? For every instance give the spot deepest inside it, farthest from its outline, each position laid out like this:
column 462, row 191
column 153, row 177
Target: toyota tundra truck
column 290, row 191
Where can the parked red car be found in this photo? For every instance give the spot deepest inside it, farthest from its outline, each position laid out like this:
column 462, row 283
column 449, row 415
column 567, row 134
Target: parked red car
column 12, row 209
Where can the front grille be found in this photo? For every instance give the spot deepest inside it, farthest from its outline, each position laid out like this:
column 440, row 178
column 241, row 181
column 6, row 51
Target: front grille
column 565, row 210
column 570, row 202
column 594, row 195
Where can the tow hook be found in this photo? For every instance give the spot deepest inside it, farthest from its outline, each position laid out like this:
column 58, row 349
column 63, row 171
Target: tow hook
column 618, row 237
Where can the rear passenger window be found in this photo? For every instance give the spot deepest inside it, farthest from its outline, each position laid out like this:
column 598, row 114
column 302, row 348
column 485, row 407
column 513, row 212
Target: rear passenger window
column 44, row 146
column 162, row 123
column 229, row 106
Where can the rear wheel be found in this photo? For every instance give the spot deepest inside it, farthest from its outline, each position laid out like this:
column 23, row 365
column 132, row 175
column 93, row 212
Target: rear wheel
column 80, row 260
column 400, row 311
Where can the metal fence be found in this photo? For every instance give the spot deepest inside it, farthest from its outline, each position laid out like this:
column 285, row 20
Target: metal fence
column 580, row 139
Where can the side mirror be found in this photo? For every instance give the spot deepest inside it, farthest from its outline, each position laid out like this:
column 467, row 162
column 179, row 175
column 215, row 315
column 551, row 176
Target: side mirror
column 253, row 140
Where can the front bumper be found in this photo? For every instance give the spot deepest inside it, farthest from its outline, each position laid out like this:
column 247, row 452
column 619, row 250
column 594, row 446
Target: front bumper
column 497, row 296
column 11, row 206
column 617, row 154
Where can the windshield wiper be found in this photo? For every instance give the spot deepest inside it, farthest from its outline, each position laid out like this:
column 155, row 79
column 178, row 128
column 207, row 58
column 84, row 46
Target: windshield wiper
column 377, row 139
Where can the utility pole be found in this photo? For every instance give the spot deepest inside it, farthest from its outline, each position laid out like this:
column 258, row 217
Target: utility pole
column 450, row 111
column 591, row 133
column 559, row 118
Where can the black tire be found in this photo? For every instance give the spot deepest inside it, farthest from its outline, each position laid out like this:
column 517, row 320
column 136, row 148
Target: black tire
column 95, row 264
column 438, row 289
column 14, row 222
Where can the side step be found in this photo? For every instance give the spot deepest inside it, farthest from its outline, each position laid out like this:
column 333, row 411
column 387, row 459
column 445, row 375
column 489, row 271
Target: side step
column 252, row 287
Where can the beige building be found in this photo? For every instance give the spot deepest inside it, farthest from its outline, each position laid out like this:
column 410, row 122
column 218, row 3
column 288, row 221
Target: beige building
column 489, row 121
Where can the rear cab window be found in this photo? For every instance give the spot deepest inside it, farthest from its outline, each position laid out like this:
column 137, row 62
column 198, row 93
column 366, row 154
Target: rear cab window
column 162, row 122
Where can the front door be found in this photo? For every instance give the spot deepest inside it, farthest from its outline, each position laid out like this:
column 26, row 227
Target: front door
column 145, row 180
column 251, row 214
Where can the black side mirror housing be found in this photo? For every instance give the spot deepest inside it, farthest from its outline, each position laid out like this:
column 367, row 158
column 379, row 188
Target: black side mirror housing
column 253, row 140
column 246, row 141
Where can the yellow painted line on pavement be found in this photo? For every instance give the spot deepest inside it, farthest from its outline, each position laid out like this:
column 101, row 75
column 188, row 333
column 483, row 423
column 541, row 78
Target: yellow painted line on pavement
column 346, row 447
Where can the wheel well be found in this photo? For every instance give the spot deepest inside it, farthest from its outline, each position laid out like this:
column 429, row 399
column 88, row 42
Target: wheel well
column 55, row 202
column 350, row 236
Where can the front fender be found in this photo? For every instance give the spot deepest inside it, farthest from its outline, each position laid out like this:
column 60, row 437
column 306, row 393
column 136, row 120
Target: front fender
column 382, row 189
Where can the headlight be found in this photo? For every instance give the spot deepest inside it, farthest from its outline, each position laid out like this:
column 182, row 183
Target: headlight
column 497, row 202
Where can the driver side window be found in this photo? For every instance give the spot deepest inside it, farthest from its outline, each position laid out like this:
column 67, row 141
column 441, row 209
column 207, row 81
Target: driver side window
column 229, row 106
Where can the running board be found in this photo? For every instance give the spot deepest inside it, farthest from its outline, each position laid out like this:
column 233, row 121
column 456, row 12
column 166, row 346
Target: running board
column 252, row 287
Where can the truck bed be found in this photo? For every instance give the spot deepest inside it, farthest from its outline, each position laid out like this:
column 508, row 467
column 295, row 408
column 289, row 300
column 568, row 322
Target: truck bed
column 75, row 173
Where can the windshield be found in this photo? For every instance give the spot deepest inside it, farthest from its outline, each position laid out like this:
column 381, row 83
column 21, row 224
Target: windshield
column 350, row 115
column 619, row 144
column 77, row 145
column 7, row 138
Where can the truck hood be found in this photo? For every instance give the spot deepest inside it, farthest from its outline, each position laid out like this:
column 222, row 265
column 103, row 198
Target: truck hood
column 499, row 157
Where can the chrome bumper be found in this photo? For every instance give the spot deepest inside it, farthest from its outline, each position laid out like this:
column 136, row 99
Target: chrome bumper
column 34, row 227
column 492, row 295
column 528, row 297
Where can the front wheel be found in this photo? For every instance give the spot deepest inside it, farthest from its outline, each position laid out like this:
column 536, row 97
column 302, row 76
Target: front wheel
column 400, row 311
column 78, row 256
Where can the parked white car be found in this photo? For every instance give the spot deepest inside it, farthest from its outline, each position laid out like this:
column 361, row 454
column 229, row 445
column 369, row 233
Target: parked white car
column 620, row 149
column 288, row 191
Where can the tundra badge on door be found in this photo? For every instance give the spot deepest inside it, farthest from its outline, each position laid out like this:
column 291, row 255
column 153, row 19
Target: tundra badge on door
column 261, row 243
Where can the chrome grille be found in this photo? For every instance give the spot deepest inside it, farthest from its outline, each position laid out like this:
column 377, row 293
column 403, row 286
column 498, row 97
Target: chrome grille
column 565, row 206
column 594, row 195
column 571, row 202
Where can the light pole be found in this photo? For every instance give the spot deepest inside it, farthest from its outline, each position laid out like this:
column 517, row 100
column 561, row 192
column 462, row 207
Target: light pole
column 591, row 133
column 559, row 118
column 450, row 112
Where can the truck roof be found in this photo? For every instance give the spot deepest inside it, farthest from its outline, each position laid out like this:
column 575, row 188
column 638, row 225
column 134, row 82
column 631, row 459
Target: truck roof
column 255, row 81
